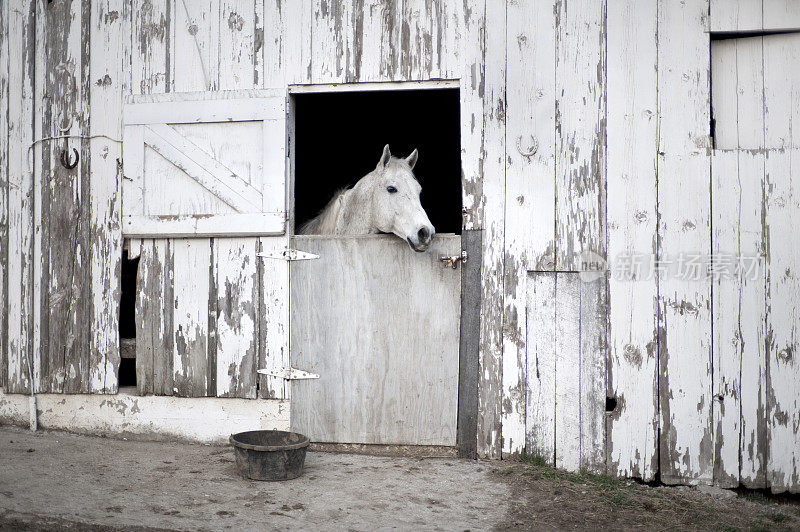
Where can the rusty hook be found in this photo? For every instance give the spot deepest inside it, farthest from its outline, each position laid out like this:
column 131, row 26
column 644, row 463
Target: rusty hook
column 65, row 159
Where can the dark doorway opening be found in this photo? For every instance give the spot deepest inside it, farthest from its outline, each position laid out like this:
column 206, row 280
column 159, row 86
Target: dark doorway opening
column 339, row 137
column 127, row 321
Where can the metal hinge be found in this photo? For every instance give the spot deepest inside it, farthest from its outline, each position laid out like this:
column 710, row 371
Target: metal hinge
column 452, row 261
column 290, row 374
column 287, row 254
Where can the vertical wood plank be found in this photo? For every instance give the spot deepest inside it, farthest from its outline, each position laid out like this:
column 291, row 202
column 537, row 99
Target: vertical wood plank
column 466, row 435
column 237, row 44
column 568, row 371
column 235, row 273
column 196, row 47
column 154, row 309
column 273, row 48
column 541, row 366
column 151, row 31
column 530, row 190
column 632, row 432
column 4, row 191
column 274, row 331
column 472, row 91
column 738, row 294
column 106, row 75
column 580, row 133
column 781, row 113
column 65, row 196
column 685, row 381
column 190, row 266
column 21, row 56
column 593, row 342
column 493, row 189
column 147, row 275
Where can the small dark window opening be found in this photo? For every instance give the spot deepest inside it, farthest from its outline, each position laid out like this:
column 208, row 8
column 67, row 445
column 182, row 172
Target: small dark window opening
column 127, row 321
column 339, row 138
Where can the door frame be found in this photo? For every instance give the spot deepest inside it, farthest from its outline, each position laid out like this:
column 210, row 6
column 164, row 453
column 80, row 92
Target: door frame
column 471, row 243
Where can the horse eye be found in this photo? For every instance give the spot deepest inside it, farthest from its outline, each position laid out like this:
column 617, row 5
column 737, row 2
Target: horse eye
column 390, row 189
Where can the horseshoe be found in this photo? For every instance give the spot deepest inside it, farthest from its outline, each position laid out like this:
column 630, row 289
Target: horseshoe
column 530, row 151
column 65, row 159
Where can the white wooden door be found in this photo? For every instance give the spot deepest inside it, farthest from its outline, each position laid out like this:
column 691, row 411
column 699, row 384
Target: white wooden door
column 205, row 164
column 379, row 324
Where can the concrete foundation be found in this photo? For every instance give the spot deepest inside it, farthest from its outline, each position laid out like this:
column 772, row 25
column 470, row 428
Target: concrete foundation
column 202, row 420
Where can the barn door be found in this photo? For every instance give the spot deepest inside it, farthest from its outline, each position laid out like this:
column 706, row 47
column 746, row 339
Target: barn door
column 379, row 324
column 205, row 164
column 205, row 190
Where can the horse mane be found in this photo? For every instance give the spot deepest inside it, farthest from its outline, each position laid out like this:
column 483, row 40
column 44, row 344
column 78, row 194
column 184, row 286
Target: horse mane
column 324, row 223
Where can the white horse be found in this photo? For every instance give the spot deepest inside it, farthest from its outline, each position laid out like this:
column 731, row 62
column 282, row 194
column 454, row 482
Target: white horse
column 385, row 200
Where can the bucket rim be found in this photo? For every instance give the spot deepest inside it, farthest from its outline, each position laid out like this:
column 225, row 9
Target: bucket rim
column 304, row 442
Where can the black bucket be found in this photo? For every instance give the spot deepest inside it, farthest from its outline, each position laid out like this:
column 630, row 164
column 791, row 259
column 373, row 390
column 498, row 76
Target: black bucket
column 269, row 454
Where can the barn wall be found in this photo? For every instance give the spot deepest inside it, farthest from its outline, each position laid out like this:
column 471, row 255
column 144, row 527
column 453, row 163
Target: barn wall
column 586, row 137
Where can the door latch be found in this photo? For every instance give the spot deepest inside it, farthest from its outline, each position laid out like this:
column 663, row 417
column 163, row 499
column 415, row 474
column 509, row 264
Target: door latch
column 452, row 261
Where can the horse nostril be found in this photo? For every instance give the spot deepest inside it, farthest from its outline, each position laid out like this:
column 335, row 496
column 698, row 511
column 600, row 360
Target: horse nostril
column 423, row 235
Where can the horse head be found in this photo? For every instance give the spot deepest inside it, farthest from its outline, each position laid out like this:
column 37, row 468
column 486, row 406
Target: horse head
column 395, row 200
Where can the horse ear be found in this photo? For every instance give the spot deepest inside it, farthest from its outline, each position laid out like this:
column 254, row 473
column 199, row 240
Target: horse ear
column 412, row 159
column 385, row 157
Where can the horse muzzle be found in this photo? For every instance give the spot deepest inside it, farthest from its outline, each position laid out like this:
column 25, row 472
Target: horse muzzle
column 422, row 240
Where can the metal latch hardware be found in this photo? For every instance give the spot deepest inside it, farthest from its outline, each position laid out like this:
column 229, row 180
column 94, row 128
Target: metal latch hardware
column 287, row 254
column 452, row 261
column 290, row 374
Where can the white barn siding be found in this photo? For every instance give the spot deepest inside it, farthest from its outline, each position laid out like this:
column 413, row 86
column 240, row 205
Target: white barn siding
column 585, row 138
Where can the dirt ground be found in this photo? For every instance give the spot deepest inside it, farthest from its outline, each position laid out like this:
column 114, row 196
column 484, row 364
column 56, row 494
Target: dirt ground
column 59, row 481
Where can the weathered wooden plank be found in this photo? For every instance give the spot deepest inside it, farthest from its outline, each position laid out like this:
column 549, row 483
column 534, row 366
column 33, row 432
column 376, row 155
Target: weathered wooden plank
column 782, row 261
column 567, row 371
column 191, row 263
column 580, row 232
column 339, row 306
column 195, row 47
column 162, row 321
column 738, row 293
column 105, row 97
column 273, row 344
column 67, row 196
column 154, row 308
column 736, row 15
column 22, row 362
column 593, row 342
column 238, row 27
column 271, row 57
column 4, row 191
column 685, row 380
column 493, row 194
column 237, row 302
column 151, row 61
column 469, row 344
column 296, row 29
column 530, row 190
column 632, row 431
column 41, row 208
column 472, row 50
column 541, row 366
column 148, row 275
